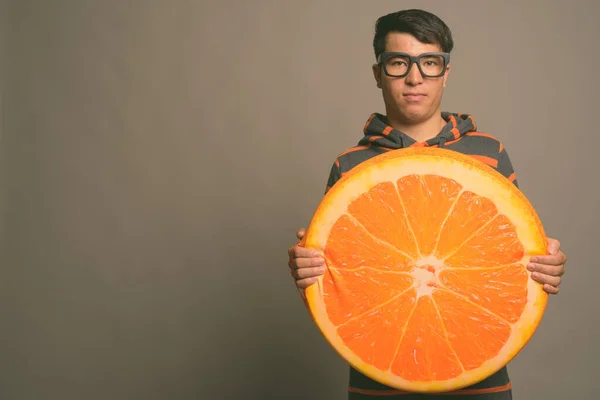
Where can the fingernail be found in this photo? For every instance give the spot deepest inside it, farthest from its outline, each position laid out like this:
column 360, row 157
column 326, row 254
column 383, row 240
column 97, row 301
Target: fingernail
column 319, row 261
column 321, row 270
column 316, row 254
column 531, row 267
column 533, row 259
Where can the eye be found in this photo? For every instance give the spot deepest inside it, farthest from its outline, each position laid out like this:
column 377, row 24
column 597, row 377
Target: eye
column 432, row 61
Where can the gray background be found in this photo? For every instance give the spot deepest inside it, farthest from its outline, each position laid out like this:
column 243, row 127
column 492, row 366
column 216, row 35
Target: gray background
column 158, row 157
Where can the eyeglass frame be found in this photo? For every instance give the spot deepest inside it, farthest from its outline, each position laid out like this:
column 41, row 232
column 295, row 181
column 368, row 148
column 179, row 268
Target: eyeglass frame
column 413, row 60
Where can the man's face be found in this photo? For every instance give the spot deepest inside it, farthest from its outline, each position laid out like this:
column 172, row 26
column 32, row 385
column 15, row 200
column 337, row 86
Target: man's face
column 413, row 98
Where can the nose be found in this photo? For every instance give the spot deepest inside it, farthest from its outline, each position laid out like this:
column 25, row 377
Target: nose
column 414, row 76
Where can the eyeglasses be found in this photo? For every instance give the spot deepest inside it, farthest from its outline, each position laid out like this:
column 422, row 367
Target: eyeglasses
column 397, row 65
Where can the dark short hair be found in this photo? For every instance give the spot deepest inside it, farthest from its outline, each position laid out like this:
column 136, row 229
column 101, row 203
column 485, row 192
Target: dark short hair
column 425, row 26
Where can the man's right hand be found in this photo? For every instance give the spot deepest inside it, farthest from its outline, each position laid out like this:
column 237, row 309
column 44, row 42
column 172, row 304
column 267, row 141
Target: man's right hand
column 306, row 265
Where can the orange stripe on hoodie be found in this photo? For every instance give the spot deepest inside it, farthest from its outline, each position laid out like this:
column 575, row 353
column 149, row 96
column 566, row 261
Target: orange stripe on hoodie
column 487, row 160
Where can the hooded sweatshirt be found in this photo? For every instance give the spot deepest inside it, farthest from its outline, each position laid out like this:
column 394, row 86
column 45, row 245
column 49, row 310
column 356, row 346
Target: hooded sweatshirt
column 459, row 134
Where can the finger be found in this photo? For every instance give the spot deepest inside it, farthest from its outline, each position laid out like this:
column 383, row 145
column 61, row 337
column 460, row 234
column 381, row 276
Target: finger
column 302, row 263
column 551, row 289
column 556, row 259
column 300, row 233
column 553, row 246
column 553, row 270
column 546, row 279
column 313, row 272
column 303, row 252
column 304, row 283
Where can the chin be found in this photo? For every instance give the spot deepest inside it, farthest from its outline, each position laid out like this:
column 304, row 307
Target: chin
column 414, row 116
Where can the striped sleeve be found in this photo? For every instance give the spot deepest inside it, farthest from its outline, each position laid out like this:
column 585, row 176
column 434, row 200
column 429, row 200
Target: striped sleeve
column 334, row 175
column 505, row 166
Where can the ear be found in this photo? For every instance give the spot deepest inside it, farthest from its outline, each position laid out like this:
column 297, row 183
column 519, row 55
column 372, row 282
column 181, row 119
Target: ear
column 446, row 74
column 377, row 74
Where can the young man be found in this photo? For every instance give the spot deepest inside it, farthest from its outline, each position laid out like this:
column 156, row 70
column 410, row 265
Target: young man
column 412, row 49
column 412, row 81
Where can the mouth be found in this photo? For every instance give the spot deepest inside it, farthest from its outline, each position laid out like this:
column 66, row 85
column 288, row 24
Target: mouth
column 414, row 96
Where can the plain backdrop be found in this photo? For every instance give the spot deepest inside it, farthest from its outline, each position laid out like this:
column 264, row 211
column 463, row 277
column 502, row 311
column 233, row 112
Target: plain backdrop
column 158, row 157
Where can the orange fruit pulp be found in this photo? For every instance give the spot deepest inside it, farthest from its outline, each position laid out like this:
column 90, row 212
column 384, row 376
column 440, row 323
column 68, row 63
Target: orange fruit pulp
column 426, row 287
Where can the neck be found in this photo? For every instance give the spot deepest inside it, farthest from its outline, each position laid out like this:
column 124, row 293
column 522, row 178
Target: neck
column 421, row 131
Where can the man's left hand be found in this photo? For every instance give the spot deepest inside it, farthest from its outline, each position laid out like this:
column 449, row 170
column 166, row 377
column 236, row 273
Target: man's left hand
column 548, row 270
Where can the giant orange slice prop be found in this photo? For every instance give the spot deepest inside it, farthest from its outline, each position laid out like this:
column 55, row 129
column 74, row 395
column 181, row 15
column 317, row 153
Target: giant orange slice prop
column 426, row 288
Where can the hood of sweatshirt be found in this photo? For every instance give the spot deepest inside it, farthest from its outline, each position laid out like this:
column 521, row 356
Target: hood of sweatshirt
column 377, row 132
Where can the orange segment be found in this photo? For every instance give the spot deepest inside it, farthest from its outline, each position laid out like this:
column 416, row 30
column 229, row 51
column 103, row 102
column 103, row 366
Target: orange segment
column 424, row 353
column 426, row 289
column 350, row 293
column 350, row 246
column 428, row 199
column 495, row 244
column 470, row 213
column 503, row 291
column 381, row 213
column 372, row 335
column 474, row 334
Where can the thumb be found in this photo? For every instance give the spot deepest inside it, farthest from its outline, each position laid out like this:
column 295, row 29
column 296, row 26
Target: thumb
column 300, row 233
column 553, row 246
